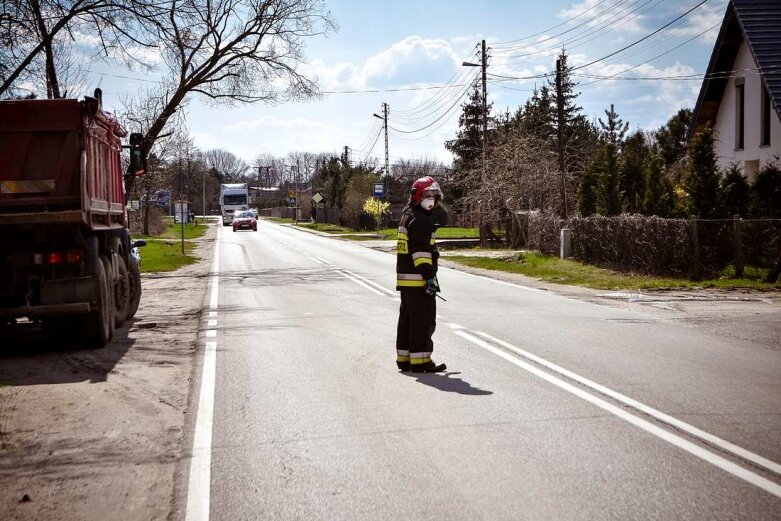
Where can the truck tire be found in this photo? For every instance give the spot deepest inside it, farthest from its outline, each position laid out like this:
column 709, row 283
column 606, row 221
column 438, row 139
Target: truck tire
column 96, row 326
column 121, row 292
column 109, row 293
column 134, row 285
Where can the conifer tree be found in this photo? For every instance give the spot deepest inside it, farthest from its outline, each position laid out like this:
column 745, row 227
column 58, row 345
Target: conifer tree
column 658, row 198
column 735, row 192
column 766, row 192
column 671, row 137
column 635, row 155
column 702, row 177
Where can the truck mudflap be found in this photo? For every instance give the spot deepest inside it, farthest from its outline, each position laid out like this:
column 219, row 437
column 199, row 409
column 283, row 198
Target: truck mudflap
column 46, row 310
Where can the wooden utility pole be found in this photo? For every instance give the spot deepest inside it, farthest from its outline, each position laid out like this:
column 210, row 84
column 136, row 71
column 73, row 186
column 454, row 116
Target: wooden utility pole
column 560, row 121
column 387, row 164
column 484, row 68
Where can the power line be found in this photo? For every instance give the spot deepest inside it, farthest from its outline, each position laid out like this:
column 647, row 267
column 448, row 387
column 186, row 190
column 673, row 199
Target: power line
column 551, row 28
column 665, row 26
column 463, row 93
column 585, row 23
column 668, row 24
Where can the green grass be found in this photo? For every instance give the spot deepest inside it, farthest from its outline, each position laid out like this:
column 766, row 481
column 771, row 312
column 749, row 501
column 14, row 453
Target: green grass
column 174, row 231
column 166, row 256
column 571, row 272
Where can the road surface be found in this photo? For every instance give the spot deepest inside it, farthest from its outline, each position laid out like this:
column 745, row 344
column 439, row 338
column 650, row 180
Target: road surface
column 554, row 408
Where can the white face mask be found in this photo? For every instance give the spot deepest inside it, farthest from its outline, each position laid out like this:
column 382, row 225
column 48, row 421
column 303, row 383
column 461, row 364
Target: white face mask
column 428, row 203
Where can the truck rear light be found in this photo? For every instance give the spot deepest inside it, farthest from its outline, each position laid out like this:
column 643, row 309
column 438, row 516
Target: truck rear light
column 54, row 258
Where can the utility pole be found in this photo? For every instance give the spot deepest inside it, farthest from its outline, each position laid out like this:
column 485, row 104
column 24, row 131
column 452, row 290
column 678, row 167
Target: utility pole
column 560, row 120
column 387, row 165
column 483, row 67
column 347, row 155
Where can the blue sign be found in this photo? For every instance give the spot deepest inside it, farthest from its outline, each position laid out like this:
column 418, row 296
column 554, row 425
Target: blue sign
column 379, row 189
column 292, row 201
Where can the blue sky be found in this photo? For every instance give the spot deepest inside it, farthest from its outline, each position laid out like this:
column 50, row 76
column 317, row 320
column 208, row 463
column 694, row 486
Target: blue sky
column 404, row 44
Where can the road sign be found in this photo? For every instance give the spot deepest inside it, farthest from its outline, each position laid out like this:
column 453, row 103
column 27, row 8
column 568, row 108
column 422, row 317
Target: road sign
column 292, row 201
column 317, row 198
column 291, row 194
column 379, row 189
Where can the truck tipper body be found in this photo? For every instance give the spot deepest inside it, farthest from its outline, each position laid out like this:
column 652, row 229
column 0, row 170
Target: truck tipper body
column 64, row 240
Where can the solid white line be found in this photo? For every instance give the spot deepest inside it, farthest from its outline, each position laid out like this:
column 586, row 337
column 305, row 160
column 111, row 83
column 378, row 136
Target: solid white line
column 503, row 282
column 211, row 323
column 372, row 283
column 211, row 333
column 199, row 486
column 691, row 448
column 359, row 282
column 675, row 422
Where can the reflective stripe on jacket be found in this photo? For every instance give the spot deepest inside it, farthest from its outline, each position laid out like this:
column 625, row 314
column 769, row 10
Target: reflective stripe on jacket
column 416, row 249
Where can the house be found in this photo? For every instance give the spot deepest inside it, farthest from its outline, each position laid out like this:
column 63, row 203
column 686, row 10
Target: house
column 740, row 96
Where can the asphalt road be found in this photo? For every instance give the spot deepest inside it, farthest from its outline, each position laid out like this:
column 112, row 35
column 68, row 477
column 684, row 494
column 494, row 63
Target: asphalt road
column 553, row 408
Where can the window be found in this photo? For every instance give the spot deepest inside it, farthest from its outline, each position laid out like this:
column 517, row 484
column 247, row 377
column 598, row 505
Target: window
column 740, row 113
column 764, row 136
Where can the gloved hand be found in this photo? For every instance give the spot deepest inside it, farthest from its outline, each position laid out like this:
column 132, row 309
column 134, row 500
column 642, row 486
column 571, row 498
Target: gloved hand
column 432, row 286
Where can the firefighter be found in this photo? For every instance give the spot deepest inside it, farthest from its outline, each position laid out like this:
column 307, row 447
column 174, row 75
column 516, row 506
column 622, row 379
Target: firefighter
column 416, row 279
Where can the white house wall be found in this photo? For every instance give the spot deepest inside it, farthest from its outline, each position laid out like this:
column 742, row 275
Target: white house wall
column 745, row 67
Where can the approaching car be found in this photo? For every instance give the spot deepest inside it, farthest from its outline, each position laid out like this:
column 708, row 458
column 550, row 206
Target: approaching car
column 245, row 221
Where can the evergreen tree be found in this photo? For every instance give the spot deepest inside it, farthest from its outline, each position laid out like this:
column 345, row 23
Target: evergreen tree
column 537, row 117
column 635, row 155
column 735, row 192
column 613, row 129
column 766, row 192
column 702, row 177
column 587, row 189
column 467, row 146
column 608, row 197
column 671, row 138
column 658, row 198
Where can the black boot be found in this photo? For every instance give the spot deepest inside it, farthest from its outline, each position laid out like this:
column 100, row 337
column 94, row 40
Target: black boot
column 429, row 367
column 404, row 367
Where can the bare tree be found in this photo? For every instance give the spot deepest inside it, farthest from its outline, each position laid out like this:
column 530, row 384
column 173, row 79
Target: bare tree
column 236, row 51
column 226, row 165
column 518, row 177
column 30, row 29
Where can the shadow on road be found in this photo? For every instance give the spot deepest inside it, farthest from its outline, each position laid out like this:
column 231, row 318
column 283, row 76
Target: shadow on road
column 30, row 357
column 446, row 382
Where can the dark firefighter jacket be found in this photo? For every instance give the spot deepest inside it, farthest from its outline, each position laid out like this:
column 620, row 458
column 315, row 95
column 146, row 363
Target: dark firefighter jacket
column 416, row 250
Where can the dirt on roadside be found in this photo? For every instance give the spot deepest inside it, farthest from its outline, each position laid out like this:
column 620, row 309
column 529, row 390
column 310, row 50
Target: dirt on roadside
column 97, row 434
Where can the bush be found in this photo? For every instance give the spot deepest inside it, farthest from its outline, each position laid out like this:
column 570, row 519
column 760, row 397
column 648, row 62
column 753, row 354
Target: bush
column 766, row 192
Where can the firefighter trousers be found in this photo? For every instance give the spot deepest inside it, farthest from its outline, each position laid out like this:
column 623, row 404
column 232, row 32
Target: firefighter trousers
column 417, row 322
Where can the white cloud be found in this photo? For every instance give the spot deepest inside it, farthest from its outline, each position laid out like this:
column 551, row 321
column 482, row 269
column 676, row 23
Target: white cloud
column 411, row 60
column 700, row 20
column 608, row 17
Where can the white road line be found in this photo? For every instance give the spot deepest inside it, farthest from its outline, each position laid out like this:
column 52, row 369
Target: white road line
column 385, row 290
column 665, row 418
column 691, row 448
column 211, row 333
column 199, row 487
column 357, row 281
column 212, row 323
column 503, row 282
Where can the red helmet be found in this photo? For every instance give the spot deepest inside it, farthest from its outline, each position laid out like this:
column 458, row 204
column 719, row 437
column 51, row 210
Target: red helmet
column 423, row 188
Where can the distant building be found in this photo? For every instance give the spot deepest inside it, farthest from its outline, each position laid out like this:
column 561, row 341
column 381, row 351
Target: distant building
column 741, row 93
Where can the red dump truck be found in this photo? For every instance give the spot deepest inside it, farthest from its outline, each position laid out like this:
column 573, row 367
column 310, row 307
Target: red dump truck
column 65, row 247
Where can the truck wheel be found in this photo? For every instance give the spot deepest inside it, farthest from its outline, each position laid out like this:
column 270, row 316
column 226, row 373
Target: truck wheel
column 109, row 293
column 96, row 326
column 134, row 286
column 121, row 292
